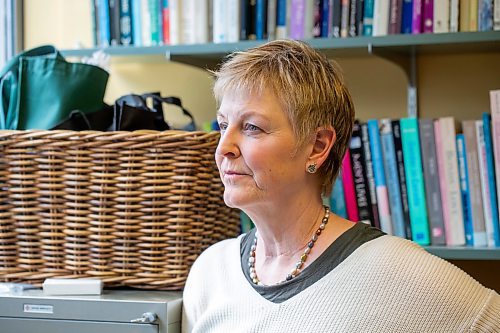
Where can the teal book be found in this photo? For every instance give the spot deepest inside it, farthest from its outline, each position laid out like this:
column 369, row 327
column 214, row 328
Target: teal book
column 415, row 181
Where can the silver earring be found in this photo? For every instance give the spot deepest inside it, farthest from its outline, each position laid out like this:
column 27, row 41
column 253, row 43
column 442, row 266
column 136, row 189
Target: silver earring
column 311, row 168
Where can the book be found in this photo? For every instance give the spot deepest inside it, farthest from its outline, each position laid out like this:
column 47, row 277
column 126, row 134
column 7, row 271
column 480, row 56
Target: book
column 485, row 15
column 360, row 5
column 395, row 16
column 369, row 175
column 336, row 18
column 441, row 16
column 337, row 198
column 431, row 181
column 136, row 23
column 308, row 20
column 464, row 190
column 495, row 138
column 488, row 146
column 353, row 27
column 379, row 176
column 415, row 181
column 271, row 18
column 398, row 149
column 446, row 152
column 407, row 17
column 174, row 19
column 344, row 18
column 260, row 19
column 114, row 21
column 281, row 14
column 391, row 175
column 233, row 28
column 428, row 16
column 475, row 187
column 496, row 15
column 416, row 20
column 220, row 18
column 165, row 11
column 361, row 187
column 349, row 191
column 368, row 17
column 104, row 28
column 454, row 12
column 381, row 18
column 297, row 19
column 464, row 13
column 126, row 33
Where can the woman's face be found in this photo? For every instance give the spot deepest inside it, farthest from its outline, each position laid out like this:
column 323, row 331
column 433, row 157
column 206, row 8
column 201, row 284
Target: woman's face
column 257, row 156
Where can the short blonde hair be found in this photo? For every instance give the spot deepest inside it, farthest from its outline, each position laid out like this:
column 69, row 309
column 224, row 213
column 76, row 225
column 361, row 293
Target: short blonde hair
column 308, row 85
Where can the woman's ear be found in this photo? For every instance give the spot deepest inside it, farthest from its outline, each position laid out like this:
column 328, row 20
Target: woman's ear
column 322, row 144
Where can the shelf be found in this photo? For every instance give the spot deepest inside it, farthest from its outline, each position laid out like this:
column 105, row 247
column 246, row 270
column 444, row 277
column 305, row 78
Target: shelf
column 465, row 253
column 209, row 55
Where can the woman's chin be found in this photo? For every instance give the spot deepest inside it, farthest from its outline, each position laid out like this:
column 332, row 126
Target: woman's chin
column 236, row 200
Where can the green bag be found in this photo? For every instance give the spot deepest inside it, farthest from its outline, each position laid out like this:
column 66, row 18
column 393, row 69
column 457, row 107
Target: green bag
column 39, row 89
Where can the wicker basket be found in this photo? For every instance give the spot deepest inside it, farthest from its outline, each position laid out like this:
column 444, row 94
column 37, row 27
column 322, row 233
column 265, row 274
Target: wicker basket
column 131, row 208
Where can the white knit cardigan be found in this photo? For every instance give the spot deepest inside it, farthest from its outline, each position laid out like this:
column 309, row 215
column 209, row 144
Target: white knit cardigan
column 387, row 285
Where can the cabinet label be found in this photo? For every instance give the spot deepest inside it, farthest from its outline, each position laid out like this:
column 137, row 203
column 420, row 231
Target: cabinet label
column 38, row 308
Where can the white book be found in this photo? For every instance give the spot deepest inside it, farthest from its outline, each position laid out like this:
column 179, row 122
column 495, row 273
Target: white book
column 309, row 19
column 454, row 10
column 3, row 35
column 200, row 21
column 271, row 19
column 484, row 174
column 219, row 23
column 174, row 7
column 188, row 21
column 233, row 21
column 441, row 16
column 146, row 24
column 381, row 17
column 450, row 192
column 282, row 30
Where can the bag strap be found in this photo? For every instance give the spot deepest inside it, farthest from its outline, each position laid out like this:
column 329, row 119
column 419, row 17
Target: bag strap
column 173, row 101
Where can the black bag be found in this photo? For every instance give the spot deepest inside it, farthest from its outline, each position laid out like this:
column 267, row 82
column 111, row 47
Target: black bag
column 129, row 113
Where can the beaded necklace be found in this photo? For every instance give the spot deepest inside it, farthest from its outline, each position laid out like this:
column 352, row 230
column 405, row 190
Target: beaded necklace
column 296, row 270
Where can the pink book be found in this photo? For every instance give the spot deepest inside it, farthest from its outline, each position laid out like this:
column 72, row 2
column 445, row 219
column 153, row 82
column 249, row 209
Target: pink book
column 349, row 192
column 495, row 129
column 428, row 16
column 297, row 19
column 416, row 22
column 442, row 176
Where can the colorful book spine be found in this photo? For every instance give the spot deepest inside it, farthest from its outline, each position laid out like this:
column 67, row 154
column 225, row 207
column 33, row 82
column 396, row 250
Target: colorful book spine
column 464, row 190
column 475, row 187
column 337, row 198
column 488, row 146
column 398, row 149
column 136, row 23
column 308, row 20
column 415, row 181
column 104, row 30
column 368, row 18
column 450, row 186
column 407, row 17
column 344, row 18
column 126, row 33
column 485, row 15
column 349, row 191
column 369, row 174
column 281, row 30
column 352, row 31
column 391, row 175
column 496, row 15
column 114, row 21
column 395, row 16
column 336, row 18
column 297, row 19
column 361, row 186
column 154, row 17
column 261, row 19
column 428, row 16
column 325, row 18
column 359, row 17
column 495, row 130
column 431, row 181
column 243, row 17
column 379, row 177
column 416, row 21
column 165, row 9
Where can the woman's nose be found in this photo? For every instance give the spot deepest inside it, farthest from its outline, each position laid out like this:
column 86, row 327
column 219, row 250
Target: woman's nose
column 228, row 144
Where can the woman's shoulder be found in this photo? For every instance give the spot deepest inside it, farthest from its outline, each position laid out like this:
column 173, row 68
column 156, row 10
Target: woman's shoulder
column 220, row 251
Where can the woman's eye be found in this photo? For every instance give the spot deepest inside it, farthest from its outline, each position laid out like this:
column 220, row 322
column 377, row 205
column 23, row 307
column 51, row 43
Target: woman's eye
column 251, row 128
column 222, row 126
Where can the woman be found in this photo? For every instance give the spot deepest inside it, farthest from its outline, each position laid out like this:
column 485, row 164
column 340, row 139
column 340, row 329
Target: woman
column 286, row 118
